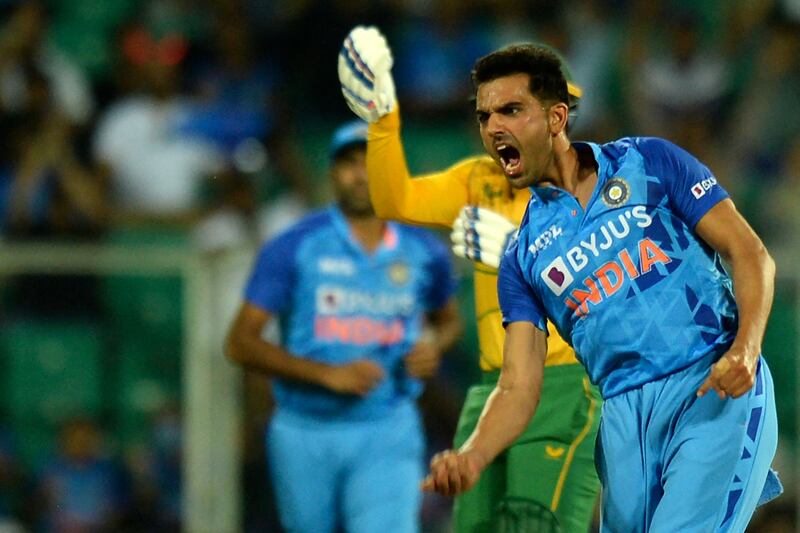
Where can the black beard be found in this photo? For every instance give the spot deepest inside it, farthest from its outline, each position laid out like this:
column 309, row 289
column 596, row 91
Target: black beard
column 354, row 210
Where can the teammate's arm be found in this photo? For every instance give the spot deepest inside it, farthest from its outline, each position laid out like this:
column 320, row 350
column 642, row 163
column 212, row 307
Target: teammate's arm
column 725, row 230
column 443, row 319
column 245, row 346
column 445, row 327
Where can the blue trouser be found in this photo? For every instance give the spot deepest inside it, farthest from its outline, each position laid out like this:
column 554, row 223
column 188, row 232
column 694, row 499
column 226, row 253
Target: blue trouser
column 669, row 461
column 359, row 476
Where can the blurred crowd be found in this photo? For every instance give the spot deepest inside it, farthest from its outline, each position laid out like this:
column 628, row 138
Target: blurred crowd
column 194, row 113
column 197, row 115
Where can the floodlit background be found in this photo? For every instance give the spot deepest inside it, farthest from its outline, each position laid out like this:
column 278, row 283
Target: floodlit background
column 147, row 146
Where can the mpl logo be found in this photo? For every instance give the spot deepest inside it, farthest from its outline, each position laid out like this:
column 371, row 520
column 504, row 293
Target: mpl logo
column 700, row 188
column 557, row 276
column 545, row 239
column 336, row 266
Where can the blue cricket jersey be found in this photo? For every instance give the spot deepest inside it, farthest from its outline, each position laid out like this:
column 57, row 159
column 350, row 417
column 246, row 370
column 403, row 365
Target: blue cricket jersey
column 338, row 303
column 627, row 282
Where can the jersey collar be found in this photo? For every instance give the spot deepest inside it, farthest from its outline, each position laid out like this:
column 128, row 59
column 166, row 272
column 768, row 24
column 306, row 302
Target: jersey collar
column 389, row 244
column 550, row 192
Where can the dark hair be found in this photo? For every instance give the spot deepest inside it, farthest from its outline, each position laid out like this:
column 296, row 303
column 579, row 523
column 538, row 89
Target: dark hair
column 541, row 64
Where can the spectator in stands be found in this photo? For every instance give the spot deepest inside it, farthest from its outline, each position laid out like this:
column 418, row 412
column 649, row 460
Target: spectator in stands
column 241, row 109
column 82, row 490
column 765, row 117
column 46, row 190
column 156, row 170
column 437, row 46
column 156, row 473
column 681, row 85
column 24, row 56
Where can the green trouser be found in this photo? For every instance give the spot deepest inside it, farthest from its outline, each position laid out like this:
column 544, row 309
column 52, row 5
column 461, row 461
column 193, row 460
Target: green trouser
column 552, row 462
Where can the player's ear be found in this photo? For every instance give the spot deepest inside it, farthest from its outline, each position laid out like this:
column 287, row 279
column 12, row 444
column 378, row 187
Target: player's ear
column 557, row 118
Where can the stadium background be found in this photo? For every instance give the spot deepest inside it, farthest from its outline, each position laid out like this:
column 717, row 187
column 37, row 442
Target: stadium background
column 149, row 145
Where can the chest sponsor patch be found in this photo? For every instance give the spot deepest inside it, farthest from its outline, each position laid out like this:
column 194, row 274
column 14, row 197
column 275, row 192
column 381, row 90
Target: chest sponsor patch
column 557, row 276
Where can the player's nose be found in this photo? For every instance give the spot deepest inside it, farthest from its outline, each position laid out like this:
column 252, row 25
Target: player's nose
column 360, row 174
column 495, row 125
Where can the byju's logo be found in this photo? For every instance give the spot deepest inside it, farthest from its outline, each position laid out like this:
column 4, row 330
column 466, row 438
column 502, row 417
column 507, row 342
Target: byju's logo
column 557, row 276
column 700, row 188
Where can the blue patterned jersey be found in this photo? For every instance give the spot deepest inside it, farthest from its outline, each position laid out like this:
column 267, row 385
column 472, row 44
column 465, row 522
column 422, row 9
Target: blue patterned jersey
column 627, row 281
column 338, row 303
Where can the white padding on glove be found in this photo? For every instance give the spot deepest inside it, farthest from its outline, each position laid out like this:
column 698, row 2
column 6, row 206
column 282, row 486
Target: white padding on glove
column 481, row 235
column 365, row 65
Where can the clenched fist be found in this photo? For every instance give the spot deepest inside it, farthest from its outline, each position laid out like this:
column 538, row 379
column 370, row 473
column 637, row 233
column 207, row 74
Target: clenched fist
column 453, row 472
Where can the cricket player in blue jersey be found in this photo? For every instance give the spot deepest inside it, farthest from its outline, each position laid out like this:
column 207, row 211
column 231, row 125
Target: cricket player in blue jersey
column 366, row 311
column 620, row 247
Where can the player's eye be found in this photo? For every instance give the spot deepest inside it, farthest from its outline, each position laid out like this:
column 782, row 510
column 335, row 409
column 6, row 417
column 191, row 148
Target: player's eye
column 482, row 116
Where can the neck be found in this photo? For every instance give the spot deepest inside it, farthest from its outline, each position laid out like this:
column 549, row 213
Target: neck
column 563, row 170
column 571, row 171
column 368, row 231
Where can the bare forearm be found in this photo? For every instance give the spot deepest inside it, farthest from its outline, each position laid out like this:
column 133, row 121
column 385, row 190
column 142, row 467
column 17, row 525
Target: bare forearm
column 447, row 334
column 83, row 190
column 507, row 413
column 447, row 326
column 505, row 416
column 274, row 361
column 754, row 286
column 727, row 232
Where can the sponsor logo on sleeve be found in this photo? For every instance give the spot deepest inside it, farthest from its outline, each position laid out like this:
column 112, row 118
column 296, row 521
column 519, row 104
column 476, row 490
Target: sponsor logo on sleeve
column 700, row 188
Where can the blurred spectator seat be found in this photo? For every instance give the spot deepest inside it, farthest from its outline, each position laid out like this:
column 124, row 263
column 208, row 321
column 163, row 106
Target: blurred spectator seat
column 147, row 378
column 145, row 317
column 145, row 309
column 52, row 370
column 85, row 31
column 780, row 348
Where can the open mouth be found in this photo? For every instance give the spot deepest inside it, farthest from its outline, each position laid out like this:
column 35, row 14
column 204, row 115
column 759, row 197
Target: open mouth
column 509, row 159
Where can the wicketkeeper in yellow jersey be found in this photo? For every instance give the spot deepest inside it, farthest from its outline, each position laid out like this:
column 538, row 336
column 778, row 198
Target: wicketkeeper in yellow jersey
column 546, row 482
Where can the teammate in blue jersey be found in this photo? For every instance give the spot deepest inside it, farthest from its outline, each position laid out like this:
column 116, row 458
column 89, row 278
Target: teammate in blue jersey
column 620, row 247
column 366, row 311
